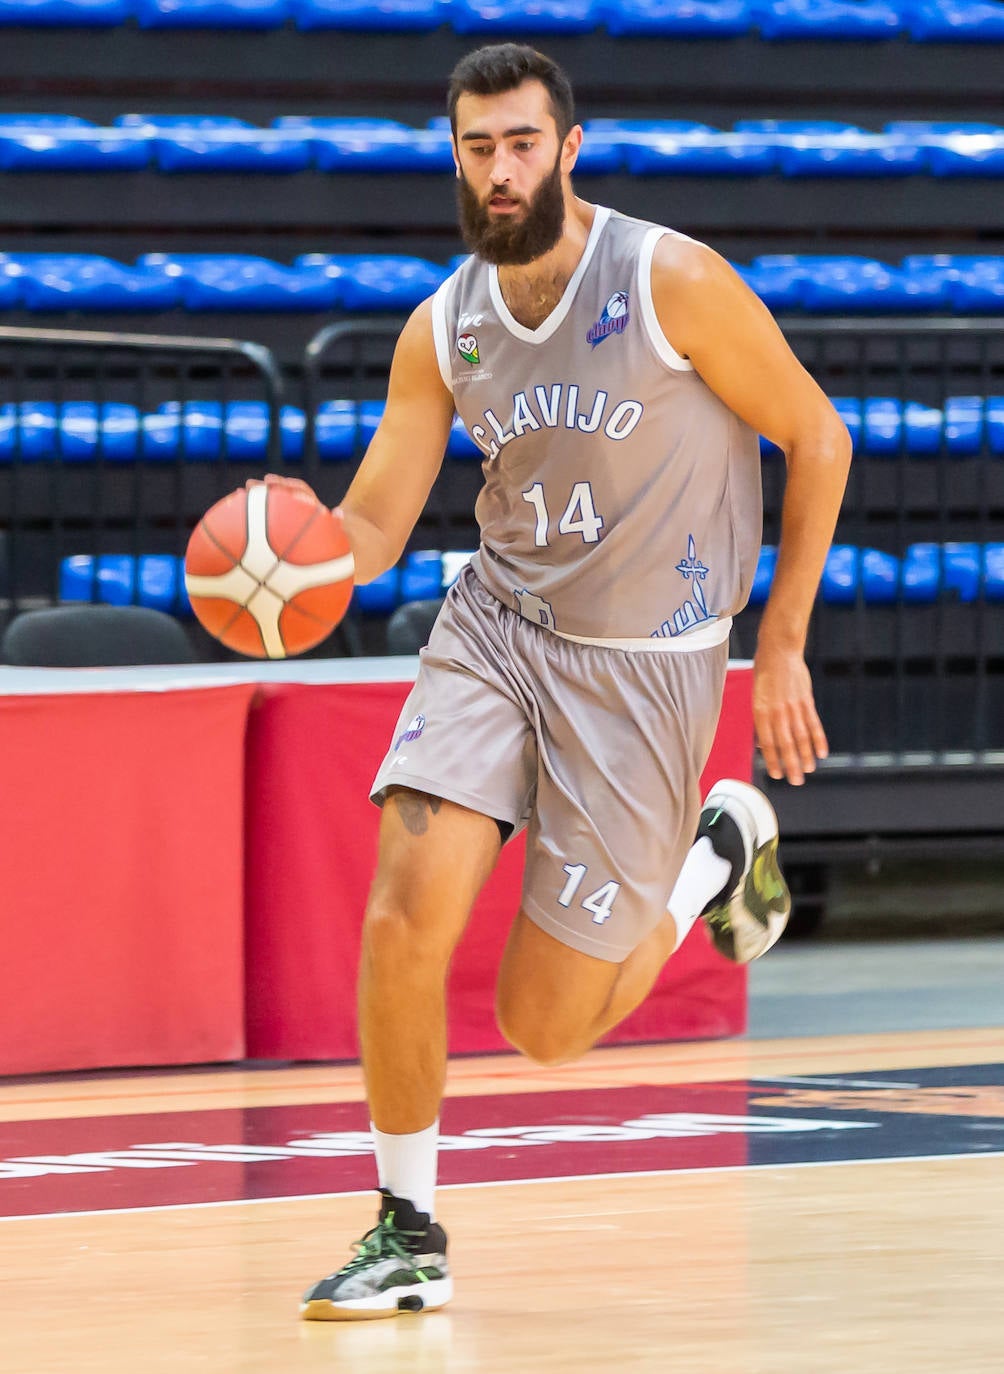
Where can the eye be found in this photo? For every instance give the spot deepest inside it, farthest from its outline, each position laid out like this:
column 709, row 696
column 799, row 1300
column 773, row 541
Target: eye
column 525, row 147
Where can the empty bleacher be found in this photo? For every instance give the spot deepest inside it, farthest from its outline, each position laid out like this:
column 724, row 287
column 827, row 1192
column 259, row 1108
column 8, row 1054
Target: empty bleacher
column 277, row 172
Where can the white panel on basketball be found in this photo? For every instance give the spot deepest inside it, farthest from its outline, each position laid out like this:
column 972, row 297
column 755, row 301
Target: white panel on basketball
column 235, row 585
column 258, row 557
column 290, row 578
column 266, row 608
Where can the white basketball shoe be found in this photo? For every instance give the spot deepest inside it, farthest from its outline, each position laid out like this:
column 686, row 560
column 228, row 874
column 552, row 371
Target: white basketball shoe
column 750, row 912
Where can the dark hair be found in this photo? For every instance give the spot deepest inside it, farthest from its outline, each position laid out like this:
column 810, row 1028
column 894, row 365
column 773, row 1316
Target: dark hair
column 504, row 66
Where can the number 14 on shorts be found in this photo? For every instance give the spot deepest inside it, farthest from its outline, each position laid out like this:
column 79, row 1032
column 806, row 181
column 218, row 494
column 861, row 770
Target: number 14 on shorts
column 600, row 902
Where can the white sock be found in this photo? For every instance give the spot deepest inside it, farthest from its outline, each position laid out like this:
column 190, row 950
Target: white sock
column 406, row 1164
column 704, row 873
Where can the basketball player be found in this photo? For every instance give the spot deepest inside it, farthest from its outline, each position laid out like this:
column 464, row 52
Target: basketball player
column 615, row 375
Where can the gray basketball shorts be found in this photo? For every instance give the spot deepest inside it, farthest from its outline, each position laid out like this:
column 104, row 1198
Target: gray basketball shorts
column 598, row 752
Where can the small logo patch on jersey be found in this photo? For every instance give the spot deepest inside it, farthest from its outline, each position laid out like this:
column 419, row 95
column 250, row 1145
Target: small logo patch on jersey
column 614, row 319
column 412, row 731
column 695, row 610
column 467, row 347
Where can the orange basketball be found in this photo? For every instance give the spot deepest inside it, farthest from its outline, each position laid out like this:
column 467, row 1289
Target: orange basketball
column 269, row 571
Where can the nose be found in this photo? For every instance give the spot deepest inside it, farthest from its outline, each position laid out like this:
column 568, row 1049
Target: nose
column 501, row 165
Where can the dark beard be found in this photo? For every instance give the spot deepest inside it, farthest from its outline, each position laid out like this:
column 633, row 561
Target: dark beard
column 507, row 242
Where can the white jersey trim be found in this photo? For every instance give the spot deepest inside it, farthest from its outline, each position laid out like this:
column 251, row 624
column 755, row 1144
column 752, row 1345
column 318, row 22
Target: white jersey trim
column 704, row 638
column 557, row 315
column 653, row 328
column 441, row 335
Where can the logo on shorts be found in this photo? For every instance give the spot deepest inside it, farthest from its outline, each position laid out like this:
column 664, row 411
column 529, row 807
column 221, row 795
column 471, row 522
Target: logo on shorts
column 412, row 731
column 614, row 319
column 467, row 347
column 533, row 607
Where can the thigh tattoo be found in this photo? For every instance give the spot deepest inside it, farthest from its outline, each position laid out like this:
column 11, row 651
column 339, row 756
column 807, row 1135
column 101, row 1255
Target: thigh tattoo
column 414, row 807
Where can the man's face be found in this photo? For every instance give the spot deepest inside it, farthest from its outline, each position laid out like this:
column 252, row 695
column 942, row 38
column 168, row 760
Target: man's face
column 510, row 193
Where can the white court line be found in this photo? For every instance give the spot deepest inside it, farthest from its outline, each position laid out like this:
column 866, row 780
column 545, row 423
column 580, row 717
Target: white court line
column 839, row 1082
column 515, row 1183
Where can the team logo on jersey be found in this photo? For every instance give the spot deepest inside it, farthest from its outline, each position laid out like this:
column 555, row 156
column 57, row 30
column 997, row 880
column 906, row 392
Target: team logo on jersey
column 614, row 319
column 412, row 731
column 695, row 610
column 467, row 347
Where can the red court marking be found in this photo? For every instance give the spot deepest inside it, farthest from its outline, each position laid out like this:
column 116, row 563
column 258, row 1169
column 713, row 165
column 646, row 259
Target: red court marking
column 108, row 1163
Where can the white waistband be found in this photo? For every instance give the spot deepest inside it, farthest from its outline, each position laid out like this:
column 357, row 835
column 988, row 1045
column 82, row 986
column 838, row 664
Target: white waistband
column 716, row 632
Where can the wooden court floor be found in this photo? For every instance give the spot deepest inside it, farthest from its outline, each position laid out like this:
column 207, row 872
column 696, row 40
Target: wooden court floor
column 733, row 1207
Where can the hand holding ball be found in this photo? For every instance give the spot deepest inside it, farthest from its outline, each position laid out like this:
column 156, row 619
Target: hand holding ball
column 269, row 570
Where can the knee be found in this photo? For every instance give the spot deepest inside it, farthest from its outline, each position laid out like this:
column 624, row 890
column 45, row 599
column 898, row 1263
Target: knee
column 395, row 935
column 543, row 1042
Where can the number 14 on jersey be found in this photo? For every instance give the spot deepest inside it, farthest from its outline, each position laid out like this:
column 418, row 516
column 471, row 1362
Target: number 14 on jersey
column 579, row 516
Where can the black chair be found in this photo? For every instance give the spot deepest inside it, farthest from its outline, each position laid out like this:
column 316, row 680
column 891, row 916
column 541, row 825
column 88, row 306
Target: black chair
column 94, row 637
column 409, row 627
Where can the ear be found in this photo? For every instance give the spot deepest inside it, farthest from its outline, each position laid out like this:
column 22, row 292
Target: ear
column 570, row 147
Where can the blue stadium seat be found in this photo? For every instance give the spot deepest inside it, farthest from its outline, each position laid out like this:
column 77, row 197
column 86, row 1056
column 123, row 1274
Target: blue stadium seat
column 778, row 283
column 240, row 282
column 212, row 14
column 921, row 576
column 370, row 283
column 679, row 18
column 845, row 285
column 923, row 428
column 119, row 579
column 829, row 148
column 422, row 575
column 962, row 569
column 66, row 143
column 370, row 146
column 201, row 433
column 344, row 428
column 850, row 573
column 993, row 572
column 78, row 281
column 73, row 13
column 534, row 16
column 965, row 425
column 218, row 143
column 994, row 411
column 880, row 573
column 968, row 155
column 958, row 21
column 809, row 19
column 381, row 596
column 669, row 152
column 28, row 431
column 10, row 284
column 839, row 583
column 392, row 16
column 882, row 430
column 979, row 288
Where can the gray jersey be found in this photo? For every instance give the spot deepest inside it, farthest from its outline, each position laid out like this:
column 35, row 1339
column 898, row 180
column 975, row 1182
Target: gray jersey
column 622, row 497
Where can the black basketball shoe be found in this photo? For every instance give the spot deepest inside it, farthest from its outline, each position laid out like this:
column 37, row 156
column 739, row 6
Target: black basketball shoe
column 399, row 1266
column 752, row 909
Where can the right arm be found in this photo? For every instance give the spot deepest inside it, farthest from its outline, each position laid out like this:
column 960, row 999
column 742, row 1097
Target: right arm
column 390, row 490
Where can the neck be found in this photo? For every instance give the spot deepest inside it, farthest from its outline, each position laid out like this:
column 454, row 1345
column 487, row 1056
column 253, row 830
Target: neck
column 552, row 270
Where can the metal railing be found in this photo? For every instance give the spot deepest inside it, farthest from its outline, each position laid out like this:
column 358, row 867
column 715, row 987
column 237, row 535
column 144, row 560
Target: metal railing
column 912, row 682
column 107, row 446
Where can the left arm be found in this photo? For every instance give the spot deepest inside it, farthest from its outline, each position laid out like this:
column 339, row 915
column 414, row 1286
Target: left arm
column 711, row 317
